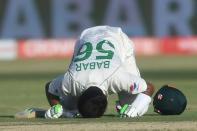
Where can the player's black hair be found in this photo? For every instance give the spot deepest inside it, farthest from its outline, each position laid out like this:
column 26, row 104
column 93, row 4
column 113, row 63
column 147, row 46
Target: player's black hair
column 92, row 103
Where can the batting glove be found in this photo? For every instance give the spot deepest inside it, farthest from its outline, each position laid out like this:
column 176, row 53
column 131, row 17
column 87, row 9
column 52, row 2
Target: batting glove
column 128, row 111
column 54, row 112
column 138, row 108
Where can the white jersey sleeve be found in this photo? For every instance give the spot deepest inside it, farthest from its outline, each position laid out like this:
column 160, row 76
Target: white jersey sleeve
column 125, row 81
column 55, row 86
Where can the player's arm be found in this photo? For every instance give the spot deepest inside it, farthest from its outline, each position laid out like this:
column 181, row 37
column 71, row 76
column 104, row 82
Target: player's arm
column 140, row 88
column 141, row 103
column 150, row 89
column 56, row 109
column 52, row 99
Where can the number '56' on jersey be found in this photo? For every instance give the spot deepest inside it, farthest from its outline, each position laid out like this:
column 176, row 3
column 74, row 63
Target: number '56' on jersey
column 90, row 57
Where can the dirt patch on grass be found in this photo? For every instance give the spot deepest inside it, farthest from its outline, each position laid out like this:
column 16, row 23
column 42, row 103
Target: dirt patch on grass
column 110, row 126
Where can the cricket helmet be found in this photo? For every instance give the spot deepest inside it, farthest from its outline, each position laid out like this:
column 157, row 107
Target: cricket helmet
column 169, row 101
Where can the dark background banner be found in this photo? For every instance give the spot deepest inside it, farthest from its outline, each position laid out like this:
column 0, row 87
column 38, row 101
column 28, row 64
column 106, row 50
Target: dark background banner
column 67, row 18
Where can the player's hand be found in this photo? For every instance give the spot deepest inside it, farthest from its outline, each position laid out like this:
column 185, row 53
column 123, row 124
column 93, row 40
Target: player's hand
column 138, row 108
column 54, row 112
column 129, row 111
column 126, row 111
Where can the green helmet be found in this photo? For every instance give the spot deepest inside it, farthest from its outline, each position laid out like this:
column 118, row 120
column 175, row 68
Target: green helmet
column 169, row 101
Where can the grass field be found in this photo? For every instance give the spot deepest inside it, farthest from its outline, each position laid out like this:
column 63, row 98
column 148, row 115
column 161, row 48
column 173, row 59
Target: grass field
column 22, row 86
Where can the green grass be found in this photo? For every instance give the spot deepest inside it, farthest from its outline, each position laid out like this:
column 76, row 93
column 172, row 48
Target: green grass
column 22, row 86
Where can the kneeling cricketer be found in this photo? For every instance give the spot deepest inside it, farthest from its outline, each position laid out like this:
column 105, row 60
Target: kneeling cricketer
column 103, row 63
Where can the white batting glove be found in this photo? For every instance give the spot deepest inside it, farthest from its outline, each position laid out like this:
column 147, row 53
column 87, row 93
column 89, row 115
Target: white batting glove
column 138, row 108
column 54, row 112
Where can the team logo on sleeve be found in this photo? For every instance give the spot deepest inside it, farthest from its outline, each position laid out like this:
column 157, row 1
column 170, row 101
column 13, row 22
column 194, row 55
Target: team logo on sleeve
column 134, row 87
